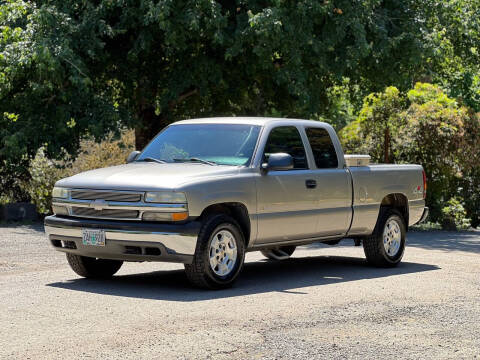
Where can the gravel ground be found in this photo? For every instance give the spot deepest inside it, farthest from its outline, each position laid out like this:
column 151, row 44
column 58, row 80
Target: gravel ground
column 322, row 303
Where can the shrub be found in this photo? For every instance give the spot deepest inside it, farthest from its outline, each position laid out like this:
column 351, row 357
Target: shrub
column 425, row 127
column 433, row 135
column 469, row 183
column 454, row 216
column 45, row 172
column 470, row 190
column 109, row 152
column 375, row 130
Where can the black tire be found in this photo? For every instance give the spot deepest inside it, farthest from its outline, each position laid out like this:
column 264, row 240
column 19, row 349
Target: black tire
column 199, row 272
column 288, row 250
column 373, row 245
column 93, row 268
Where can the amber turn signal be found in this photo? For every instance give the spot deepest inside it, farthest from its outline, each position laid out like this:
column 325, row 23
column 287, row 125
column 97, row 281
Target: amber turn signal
column 162, row 216
column 179, row 216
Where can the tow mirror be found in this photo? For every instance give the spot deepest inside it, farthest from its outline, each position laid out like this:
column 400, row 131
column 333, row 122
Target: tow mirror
column 133, row 155
column 278, row 161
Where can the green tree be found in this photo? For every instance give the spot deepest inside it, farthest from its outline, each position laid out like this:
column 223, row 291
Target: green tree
column 343, row 103
column 452, row 29
column 375, row 130
column 425, row 127
column 48, row 94
column 434, row 136
column 70, row 68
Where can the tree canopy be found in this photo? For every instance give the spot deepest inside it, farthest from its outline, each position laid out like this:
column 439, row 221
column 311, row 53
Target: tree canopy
column 422, row 126
column 70, row 69
column 67, row 68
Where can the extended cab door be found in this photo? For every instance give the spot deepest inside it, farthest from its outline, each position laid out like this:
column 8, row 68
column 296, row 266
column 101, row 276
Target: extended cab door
column 334, row 188
column 286, row 203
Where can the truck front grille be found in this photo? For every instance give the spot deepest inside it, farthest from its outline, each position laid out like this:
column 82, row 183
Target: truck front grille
column 107, row 213
column 106, row 195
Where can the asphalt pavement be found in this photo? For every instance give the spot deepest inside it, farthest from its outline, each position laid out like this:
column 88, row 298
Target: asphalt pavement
column 323, row 303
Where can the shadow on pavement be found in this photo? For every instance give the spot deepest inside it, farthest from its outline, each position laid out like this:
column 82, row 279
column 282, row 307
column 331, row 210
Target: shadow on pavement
column 32, row 226
column 257, row 277
column 448, row 241
column 431, row 240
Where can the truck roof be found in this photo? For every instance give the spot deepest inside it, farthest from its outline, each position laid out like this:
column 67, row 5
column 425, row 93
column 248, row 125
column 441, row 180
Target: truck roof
column 262, row 121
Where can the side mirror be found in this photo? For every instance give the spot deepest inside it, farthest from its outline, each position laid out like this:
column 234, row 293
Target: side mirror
column 133, row 155
column 278, row 161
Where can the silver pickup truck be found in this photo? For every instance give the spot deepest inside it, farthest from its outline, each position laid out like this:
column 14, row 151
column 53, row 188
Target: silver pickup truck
column 203, row 192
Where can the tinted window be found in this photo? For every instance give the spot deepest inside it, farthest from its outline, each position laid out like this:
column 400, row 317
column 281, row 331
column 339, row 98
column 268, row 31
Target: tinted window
column 286, row 139
column 322, row 148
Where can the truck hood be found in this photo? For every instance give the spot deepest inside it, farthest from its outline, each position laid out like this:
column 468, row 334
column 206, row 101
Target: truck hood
column 145, row 176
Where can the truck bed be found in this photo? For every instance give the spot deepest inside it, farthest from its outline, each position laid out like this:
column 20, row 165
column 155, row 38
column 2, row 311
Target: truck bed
column 373, row 182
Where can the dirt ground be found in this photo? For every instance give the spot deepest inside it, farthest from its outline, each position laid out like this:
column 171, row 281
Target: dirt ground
column 323, row 303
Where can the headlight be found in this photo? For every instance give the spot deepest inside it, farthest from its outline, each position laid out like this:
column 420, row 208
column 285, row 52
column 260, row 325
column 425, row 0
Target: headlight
column 165, row 197
column 59, row 210
column 59, row 192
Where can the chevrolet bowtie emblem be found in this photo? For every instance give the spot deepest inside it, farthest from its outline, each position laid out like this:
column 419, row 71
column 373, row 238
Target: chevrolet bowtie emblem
column 98, row 204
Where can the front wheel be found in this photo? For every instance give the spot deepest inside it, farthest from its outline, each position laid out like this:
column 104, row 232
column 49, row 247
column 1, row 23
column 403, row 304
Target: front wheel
column 93, row 268
column 385, row 247
column 219, row 254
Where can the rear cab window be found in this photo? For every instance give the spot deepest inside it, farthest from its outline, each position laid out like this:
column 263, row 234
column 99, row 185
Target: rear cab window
column 322, row 147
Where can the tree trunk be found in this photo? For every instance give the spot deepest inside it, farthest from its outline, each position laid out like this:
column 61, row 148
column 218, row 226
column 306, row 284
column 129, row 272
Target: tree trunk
column 386, row 146
column 148, row 125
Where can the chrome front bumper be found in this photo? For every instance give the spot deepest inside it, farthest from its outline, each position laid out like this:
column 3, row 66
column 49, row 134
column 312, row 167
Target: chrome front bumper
column 129, row 241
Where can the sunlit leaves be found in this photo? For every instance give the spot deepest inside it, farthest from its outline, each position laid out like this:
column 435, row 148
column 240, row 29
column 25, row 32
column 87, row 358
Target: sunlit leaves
column 146, row 63
column 425, row 127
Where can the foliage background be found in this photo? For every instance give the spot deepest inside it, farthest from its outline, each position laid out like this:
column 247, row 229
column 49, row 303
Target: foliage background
column 86, row 69
column 44, row 172
column 423, row 126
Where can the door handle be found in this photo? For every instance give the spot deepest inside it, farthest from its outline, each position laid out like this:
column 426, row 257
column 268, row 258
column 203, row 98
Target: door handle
column 311, row 184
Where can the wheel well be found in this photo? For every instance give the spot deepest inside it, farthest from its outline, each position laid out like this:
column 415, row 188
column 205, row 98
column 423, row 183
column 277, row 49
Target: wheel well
column 238, row 211
column 398, row 202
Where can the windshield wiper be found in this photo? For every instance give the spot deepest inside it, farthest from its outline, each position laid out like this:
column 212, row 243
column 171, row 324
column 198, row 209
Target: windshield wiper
column 194, row 159
column 150, row 159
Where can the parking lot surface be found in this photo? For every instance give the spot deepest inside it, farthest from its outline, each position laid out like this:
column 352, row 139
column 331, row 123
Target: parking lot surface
column 324, row 302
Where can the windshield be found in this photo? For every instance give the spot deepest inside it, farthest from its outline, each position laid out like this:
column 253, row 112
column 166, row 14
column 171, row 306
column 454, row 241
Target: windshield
column 222, row 144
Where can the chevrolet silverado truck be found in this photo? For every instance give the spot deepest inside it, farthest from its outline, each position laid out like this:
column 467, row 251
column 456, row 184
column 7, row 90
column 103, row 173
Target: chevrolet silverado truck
column 203, row 192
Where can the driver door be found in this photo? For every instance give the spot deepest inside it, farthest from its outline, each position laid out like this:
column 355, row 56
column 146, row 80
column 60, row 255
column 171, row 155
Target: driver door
column 286, row 199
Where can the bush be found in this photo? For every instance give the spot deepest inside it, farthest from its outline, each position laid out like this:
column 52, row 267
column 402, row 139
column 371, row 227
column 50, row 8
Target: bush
column 470, row 190
column 109, row 152
column 454, row 216
column 45, row 172
column 425, row 127
column 375, row 130
column 469, row 183
column 433, row 135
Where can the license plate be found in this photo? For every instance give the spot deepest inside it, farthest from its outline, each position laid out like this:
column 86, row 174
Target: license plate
column 93, row 237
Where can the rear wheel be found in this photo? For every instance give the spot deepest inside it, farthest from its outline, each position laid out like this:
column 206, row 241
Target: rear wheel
column 93, row 268
column 219, row 254
column 280, row 253
column 385, row 247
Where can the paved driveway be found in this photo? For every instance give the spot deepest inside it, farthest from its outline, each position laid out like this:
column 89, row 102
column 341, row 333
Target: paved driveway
column 323, row 303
